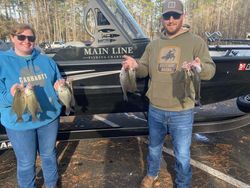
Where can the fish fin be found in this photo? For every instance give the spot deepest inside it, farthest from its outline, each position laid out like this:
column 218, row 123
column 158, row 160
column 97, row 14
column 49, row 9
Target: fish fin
column 39, row 109
column 125, row 97
column 73, row 101
column 67, row 111
column 72, row 110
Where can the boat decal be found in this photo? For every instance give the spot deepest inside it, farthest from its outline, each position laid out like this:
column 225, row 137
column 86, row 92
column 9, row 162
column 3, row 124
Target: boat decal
column 244, row 67
column 5, row 144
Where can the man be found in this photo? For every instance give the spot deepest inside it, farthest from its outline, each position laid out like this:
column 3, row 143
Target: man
column 164, row 60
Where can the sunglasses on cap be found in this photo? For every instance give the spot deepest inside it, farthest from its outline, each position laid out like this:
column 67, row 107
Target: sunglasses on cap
column 168, row 15
column 24, row 37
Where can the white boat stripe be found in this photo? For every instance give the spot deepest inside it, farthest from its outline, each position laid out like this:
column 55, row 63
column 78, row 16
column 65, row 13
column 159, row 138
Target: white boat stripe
column 106, row 121
column 135, row 117
column 76, row 72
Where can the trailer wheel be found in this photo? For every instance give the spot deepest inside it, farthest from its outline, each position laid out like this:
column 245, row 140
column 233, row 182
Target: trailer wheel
column 243, row 103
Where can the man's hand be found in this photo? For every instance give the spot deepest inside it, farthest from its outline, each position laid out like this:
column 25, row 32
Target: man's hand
column 129, row 63
column 196, row 64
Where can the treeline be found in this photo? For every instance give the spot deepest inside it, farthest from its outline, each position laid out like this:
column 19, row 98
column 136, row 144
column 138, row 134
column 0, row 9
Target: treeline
column 53, row 20
column 230, row 17
column 63, row 19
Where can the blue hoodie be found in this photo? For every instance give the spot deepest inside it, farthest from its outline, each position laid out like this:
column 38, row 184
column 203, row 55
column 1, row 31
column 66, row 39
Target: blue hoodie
column 39, row 70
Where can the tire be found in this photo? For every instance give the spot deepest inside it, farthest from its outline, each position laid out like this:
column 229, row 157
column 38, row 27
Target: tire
column 243, row 103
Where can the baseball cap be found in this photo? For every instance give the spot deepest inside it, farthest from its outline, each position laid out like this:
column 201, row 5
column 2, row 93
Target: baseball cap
column 172, row 6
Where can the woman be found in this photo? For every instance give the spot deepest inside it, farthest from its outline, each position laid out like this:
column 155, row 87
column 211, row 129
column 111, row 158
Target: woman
column 20, row 67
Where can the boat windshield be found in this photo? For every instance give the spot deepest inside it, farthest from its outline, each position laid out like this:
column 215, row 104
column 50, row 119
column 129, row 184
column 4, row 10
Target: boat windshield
column 124, row 17
column 229, row 50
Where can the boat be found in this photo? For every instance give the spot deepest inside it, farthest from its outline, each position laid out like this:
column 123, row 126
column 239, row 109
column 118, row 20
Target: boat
column 95, row 68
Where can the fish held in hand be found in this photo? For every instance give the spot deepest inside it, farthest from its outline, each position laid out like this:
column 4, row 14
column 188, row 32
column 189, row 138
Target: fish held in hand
column 65, row 94
column 195, row 77
column 132, row 81
column 32, row 103
column 19, row 104
column 192, row 76
column 128, row 82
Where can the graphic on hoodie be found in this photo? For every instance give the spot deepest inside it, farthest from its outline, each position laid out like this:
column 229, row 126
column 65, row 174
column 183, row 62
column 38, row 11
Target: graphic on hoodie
column 35, row 77
column 168, row 59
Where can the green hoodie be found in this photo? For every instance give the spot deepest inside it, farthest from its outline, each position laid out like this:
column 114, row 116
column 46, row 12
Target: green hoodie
column 162, row 61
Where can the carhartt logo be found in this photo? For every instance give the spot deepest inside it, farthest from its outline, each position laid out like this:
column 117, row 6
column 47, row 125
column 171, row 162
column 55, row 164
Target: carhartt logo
column 171, row 4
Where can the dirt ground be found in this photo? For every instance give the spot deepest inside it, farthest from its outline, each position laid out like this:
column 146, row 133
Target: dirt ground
column 121, row 162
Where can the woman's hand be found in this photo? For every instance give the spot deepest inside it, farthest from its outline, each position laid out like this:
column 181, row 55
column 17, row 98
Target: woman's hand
column 14, row 87
column 58, row 83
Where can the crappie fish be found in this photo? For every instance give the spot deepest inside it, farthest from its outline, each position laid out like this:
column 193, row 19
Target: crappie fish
column 32, row 103
column 128, row 82
column 19, row 104
column 192, row 76
column 65, row 94
column 195, row 78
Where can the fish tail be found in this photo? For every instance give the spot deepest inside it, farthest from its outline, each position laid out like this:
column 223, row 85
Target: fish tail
column 19, row 119
column 39, row 109
column 125, row 97
column 34, row 118
column 198, row 103
column 67, row 111
column 73, row 101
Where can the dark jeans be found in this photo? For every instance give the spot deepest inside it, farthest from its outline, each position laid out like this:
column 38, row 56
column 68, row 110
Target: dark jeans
column 179, row 126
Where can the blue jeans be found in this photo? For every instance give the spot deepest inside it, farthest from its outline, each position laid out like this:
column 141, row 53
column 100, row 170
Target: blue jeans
column 26, row 144
column 179, row 125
